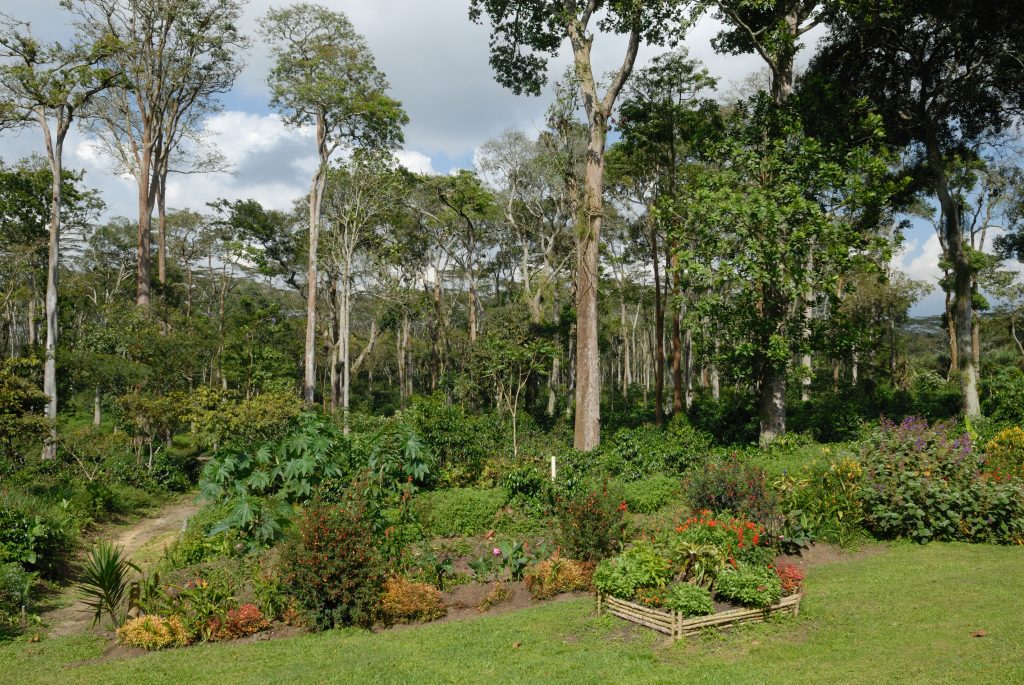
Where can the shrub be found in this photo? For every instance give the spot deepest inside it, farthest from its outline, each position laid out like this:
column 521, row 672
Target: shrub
column 15, row 594
column 919, row 483
column 197, row 544
column 733, row 537
column 39, row 535
column 1004, row 454
column 592, row 524
column 154, row 632
column 791, row 578
column 556, row 575
column 640, row 566
column 459, row 511
column 823, row 501
column 459, row 441
column 734, row 486
column 245, row 620
column 333, row 567
column 750, row 585
column 689, row 600
column 651, row 494
column 1002, row 396
column 405, row 601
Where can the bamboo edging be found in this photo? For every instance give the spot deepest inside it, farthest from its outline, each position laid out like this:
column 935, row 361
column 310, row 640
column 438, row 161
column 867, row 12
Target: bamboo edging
column 674, row 624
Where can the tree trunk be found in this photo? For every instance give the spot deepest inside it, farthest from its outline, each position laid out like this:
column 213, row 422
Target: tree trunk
column 335, row 353
column 588, row 362
column 954, row 356
column 315, row 199
column 52, row 321
column 144, row 236
column 97, row 415
column 772, row 406
column 659, row 329
column 963, row 276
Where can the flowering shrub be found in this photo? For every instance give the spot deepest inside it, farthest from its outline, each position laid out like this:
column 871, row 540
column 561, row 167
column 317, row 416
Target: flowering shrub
column 736, row 536
column 154, row 632
column 641, row 566
column 919, row 483
column 333, row 567
column 689, row 600
column 734, row 486
column 791, row 578
column 405, row 601
column 556, row 575
column 749, row 585
column 592, row 524
column 1004, row 454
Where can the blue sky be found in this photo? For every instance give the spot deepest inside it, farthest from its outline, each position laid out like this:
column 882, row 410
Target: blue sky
column 436, row 61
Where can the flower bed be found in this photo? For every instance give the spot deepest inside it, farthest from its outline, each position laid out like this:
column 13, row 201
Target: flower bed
column 676, row 625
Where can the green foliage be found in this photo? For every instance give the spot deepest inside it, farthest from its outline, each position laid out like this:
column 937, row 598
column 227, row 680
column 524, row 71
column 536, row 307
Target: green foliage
column 1002, row 396
column 219, row 421
column 39, row 535
column 822, row 501
column 458, row 511
column 640, row 566
column 634, row 453
column 333, row 568
column 459, row 442
column 198, row 544
column 262, row 484
column 15, row 595
column 513, row 559
column 748, row 584
column 104, row 582
column 689, row 600
column 920, row 484
column 21, row 407
column 592, row 523
column 651, row 494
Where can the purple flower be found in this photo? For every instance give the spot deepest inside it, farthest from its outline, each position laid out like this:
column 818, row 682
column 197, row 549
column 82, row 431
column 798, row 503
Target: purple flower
column 496, row 552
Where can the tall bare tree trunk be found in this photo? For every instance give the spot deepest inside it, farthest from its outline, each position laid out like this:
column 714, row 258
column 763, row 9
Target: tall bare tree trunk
column 659, row 327
column 145, row 232
column 55, row 150
column 316, row 194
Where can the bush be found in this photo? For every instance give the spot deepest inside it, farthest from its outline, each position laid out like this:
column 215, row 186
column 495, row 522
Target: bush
column 154, row 632
column 333, row 567
column 823, row 501
column 1002, row 396
column 38, row 535
column 15, row 593
column 1004, row 454
column 556, row 575
column 459, row 511
column 919, row 483
column 197, row 544
column 689, row 600
column 651, row 494
column 460, row 442
column 405, row 601
column 749, row 585
column 734, row 486
column 733, row 538
column 640, row 566
column 245, row 620
column 592, row 524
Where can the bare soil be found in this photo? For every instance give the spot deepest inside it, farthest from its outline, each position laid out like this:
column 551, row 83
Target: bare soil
column 139, row 540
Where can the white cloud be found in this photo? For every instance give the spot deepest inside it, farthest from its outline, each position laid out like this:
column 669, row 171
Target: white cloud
column 415, row 161
column 920, row 261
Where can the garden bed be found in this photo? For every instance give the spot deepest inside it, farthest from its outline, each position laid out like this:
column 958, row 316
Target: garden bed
column 675, row 625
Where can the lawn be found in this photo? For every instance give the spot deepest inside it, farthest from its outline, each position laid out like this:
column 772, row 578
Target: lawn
column 904, row 616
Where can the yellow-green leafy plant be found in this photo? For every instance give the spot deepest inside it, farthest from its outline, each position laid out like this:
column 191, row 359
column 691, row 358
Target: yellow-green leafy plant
column 1004, row 454
column 556, row 575
column 406, row 601
column 154, row 632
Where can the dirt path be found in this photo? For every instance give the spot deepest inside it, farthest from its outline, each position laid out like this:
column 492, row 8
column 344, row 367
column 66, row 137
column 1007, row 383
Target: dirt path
column 143, row 541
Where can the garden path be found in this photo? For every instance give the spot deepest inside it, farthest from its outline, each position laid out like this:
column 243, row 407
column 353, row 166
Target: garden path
column 143, row 541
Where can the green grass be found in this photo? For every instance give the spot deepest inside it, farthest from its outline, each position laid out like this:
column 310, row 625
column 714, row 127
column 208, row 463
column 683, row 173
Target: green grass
column 905, row 616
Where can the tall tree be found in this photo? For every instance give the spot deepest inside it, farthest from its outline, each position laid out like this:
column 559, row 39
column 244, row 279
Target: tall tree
column 179, row 55
column 946, row 77
column 49, row 85
column 324, row 76
column 524, row 35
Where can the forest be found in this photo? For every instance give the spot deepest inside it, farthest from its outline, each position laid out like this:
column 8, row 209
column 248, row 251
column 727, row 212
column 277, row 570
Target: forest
column 674, row 302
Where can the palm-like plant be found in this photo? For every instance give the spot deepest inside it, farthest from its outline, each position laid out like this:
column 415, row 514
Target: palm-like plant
column 105, row 580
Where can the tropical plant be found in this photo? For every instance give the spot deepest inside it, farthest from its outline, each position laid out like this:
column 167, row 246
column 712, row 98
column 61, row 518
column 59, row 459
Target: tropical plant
column 749, row 584
column 689, row 600
column 105, row 580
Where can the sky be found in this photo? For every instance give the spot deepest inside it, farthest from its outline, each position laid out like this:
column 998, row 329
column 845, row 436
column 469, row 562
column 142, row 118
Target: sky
column 436, row 62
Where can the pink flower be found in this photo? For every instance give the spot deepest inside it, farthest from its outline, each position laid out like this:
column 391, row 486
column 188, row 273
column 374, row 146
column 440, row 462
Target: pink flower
column 496, row 552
